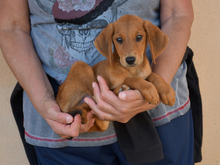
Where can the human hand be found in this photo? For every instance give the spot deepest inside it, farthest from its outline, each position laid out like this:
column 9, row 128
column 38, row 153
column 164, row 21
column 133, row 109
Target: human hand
column 112, row 108
column 64, row 124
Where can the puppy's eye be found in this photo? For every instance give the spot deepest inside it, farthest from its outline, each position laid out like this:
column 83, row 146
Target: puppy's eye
column 138, row 37
column 119, row 40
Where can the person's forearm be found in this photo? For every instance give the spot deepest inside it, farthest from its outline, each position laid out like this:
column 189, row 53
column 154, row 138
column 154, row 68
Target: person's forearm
column 19, row 53
column 178, row 30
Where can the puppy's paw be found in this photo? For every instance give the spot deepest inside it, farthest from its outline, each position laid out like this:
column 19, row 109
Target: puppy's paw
column 124, row 88
column 168, row 96
column 150, row 94
column 121, row 88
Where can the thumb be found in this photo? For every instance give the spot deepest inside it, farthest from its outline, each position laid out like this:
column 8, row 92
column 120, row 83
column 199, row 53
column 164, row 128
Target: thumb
column 55, row 114
column 130, row 95
column 64, row 118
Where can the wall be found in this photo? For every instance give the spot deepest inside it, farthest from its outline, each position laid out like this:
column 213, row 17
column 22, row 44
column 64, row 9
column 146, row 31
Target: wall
column 205, row 42
column 11, row 150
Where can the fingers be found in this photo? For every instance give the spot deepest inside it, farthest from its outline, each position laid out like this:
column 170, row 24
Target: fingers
column 103, row 86
column 130, row 95
column 90, row 122
column 64, row 124
column 67, row 130
column 75, row 128
column 103, row 96
column 103, row 115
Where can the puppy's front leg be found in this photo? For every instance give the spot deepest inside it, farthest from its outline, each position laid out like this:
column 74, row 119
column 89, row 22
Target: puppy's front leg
column 146, row 88
column 165, row 91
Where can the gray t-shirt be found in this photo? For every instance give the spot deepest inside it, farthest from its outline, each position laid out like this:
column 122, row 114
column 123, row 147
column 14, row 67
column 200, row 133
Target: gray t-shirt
column 59, row 45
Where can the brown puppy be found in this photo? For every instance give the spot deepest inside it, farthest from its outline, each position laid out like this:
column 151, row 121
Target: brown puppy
column 126, row 67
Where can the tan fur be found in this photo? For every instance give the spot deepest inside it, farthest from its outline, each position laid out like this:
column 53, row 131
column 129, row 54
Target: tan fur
column 118, row 70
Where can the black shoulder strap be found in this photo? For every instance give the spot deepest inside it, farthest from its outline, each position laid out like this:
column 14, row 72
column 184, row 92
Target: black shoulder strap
column 196, row 104
column 17, row 109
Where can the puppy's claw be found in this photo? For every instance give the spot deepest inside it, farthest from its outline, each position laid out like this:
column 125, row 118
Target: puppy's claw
column 124, row 89
column 121, row 88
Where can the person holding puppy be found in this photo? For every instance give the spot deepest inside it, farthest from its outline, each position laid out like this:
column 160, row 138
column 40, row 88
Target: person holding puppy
column 41, row 39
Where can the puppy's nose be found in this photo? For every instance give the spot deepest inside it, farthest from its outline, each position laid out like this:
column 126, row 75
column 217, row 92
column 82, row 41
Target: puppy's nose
column 130, row 60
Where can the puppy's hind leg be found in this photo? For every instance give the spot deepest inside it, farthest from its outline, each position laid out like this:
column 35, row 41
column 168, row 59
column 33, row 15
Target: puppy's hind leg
column 77, row 85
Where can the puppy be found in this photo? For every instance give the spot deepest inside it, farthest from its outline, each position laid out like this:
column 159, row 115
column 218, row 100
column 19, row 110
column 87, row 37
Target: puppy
column 126, row 67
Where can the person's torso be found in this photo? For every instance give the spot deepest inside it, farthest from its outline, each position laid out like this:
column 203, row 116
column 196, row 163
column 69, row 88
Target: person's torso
column 59, row 45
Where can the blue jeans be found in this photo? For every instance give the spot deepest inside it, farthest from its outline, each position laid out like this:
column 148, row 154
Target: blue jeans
column 176, row 137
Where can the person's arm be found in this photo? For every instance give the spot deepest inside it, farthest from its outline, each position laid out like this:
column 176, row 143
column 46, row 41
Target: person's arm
column 18, row 51
column 176, row 21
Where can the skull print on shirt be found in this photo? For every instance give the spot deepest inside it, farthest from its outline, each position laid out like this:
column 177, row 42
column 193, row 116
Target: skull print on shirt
column 77, row 40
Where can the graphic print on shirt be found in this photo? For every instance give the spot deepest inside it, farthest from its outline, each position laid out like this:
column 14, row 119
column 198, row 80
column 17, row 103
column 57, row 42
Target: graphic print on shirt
column 77, row 41
column 69, row 5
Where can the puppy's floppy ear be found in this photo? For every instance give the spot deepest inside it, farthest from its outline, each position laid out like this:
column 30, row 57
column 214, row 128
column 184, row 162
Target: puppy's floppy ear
column 103, row 42
column 156, row 38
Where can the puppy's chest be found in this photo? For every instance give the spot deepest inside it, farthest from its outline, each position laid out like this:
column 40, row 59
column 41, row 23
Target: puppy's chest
column 140, row 73
column 119, row 78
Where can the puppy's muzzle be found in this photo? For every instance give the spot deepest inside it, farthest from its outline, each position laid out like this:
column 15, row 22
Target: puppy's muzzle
column 130, row 60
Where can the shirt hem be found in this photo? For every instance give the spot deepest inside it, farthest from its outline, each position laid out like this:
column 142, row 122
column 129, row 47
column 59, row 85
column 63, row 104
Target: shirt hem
column 75, row 142
column 167, row 117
